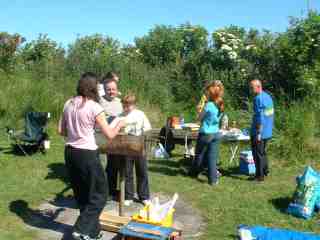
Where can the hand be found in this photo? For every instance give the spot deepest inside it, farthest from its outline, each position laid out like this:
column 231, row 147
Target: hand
column 258, row 138
column 114, row 122
column 121, row 123
column 198, row 109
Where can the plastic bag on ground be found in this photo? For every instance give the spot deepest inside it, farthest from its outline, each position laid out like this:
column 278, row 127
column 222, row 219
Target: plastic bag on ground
column 306, row 194
column 160, row 152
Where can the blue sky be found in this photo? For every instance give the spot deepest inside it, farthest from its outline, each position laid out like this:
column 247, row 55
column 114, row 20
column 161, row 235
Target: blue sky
column 64, row 20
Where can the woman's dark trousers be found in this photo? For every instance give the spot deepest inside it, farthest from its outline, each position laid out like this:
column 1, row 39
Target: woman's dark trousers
column 89, row 184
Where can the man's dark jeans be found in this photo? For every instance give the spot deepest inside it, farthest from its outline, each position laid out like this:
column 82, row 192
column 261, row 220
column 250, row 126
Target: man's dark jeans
column 141, row 169
column 112, row 170
column 260, row 156
column 207, row 152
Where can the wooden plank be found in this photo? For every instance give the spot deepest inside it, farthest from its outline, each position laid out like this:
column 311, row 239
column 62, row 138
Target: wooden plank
column 107, row 217
column 112, row 223
column 110, row 227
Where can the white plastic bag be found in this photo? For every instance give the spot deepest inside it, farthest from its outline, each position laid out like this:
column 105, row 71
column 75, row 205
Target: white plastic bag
column 160, row 152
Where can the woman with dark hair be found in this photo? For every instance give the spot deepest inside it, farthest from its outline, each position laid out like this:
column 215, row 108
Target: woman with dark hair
column 81, row 115
column 207, row 147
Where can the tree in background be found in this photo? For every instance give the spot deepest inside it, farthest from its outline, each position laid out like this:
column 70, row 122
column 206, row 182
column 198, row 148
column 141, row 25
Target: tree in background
column 177, row 60
column 160, row 46
column 300, row 54
column 9, row 45
column 96, row 53
column 43, row 57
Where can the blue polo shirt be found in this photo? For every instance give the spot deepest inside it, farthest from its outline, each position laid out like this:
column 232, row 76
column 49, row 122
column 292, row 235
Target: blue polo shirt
column 211, row 119
column 263, row 114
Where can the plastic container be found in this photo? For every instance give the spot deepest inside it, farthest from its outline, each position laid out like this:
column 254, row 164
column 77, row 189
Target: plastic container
column 246, row 163
column 247, row 168
column 181, row 119
column 166, row 222
column 224, row 124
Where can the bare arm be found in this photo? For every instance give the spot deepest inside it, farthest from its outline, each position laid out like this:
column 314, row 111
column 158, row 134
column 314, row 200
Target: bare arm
column 146, row 124
column 61, row 128
column 109, row 132
column 201, row 115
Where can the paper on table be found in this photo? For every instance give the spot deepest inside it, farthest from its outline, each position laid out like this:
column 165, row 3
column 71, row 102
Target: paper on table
column 191, row 125
column 233, row 134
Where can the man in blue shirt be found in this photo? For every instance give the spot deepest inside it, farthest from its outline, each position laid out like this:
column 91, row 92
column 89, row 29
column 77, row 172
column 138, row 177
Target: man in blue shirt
column 261, row 128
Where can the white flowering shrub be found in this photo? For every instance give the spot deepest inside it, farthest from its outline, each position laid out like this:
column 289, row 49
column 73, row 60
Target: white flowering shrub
column 228, row 43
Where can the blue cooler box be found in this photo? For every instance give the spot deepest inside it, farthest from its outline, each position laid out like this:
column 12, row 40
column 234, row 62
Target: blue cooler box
column 246, row 163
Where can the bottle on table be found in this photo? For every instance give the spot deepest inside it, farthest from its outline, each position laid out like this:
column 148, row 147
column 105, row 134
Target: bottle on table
column 234, row 124
column 224, row 122
column 181, row 120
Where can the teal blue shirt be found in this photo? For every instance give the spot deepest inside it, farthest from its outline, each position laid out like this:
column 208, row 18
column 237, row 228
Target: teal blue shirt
column 211, row 119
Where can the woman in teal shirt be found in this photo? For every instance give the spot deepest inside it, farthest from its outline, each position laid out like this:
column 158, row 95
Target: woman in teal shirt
column 207, row 148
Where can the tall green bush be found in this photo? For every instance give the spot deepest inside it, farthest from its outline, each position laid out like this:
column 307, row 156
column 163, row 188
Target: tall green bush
column 295, row 132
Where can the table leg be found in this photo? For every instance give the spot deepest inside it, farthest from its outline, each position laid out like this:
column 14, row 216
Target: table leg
column 122, row 186
column 186, row 152
column 233, row 149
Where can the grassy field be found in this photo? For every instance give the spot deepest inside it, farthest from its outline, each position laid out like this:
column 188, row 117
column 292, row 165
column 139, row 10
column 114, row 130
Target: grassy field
column 27, row 181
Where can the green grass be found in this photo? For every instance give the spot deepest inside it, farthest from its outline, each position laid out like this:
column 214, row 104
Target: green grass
column 235, row 200
column 25, row 182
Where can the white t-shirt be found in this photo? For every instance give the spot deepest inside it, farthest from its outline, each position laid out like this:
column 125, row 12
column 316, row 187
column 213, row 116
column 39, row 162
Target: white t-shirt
column 101, row 91
column 136, row 123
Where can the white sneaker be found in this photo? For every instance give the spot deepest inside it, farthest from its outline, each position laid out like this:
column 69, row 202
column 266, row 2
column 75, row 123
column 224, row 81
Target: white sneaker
column 146, row 202
column 79, row 236
column 76, row 235
column 128, row 202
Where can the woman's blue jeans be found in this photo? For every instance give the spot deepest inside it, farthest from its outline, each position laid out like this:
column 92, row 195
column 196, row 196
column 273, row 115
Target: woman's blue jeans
column 207, row 153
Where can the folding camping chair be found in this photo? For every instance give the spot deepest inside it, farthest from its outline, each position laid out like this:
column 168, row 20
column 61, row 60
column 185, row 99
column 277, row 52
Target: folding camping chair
column 34, row 133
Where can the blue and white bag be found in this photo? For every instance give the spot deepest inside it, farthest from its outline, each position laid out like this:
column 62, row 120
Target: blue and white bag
column 306, row 195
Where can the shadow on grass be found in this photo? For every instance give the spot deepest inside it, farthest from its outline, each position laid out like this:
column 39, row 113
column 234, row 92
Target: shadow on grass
column 40, row 219
column 64, row 202
column 5, row 149
column 233, row 236
column 168, row 171
column 181, row 167
column 170, row 167
column 59, row 171
column 281, row 203
column 233, row 172
column 22, row 149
